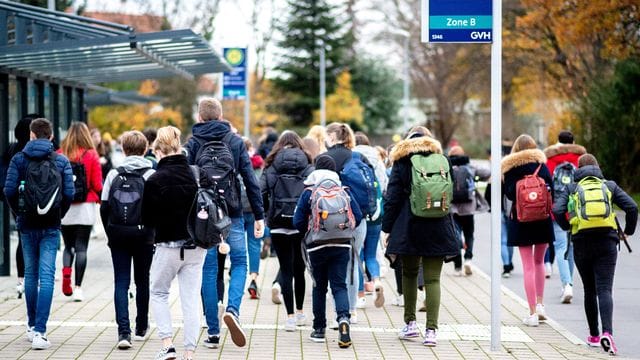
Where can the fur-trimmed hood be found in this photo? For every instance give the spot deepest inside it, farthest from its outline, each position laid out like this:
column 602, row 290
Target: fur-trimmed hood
column 522, row 158
column 417, row 145
column 558, row 149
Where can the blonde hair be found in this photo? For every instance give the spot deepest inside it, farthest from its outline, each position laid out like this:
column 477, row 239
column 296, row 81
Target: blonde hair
column 523, row 142
column 134, row 143
column 456, row 150
column 78, row 140
column 210, row 109
column 418, row 130
column 344, row 134
column 168, row 140
column 318, row 134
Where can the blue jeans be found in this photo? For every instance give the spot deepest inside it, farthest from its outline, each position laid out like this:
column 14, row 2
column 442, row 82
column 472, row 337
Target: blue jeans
column 565, row 267
column 238, row 274
column 329, row 265
column 358, row 242
column 506, row 252
column 368, row 253
column 253, row 245
column 39, row 247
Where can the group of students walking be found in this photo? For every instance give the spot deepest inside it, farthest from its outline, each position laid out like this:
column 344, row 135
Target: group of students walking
column 327, row 201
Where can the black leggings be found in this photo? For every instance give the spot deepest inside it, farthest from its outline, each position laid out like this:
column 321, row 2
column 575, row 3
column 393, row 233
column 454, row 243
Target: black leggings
column 291, row 267
column 20, row 258
column 76, row 241
column 465, row 224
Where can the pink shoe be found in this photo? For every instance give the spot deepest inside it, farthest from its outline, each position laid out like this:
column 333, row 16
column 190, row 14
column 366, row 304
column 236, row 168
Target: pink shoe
column 593, row 341
column 606, row 340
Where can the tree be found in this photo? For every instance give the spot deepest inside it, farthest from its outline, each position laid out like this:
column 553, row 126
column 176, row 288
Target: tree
column 343, row 105
column 309, row 25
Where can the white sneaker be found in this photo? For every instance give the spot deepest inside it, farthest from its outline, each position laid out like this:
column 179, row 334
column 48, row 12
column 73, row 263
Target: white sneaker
column 457, row 273
column 40, row 342
column 567, row 294
column 531, row 320
column 78, row 295
column 334, row 324
column 30, row 333
column 548, row 270
column 467, row 267
column 398, row 301
column 20, row 289
column 301, row 319
column 290, row 324
column 542, row 314
column 276, row 293
column 361, row 303
column 354, row 318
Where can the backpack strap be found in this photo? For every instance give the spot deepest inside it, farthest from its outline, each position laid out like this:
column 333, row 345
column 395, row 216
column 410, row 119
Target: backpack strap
column 537, row 170
column 196, row 173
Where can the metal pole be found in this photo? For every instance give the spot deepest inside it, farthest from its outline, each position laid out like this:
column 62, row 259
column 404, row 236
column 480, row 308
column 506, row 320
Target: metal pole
column 323, row 89
column 247, row 97
column 51, row 5
column 496, row 155
column 405, row 90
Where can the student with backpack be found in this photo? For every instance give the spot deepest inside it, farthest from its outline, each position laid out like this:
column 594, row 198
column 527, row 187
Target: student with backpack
column 595, row 235
column 418, row 225
column 527, row 182
column 78, row 147
column 466, row 202
column 286, row 167
column 221, row 156
column 39, row 189
column 328, row 215
column 166, row 202
column 562, row 161
column 128, row 239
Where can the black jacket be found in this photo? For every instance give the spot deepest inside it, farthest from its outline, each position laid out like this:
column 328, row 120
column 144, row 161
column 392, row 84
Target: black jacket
column 515, row 167
column 409, row 234
column 216, row 130
column 168, row 197
column 618, row 197
column 286, row 161
column 340, row 154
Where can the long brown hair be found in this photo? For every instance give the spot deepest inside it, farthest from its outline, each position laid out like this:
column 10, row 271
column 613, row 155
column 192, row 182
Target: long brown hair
column 344, row 134
column 288, row 139
column 78, row 140
column 523, row 142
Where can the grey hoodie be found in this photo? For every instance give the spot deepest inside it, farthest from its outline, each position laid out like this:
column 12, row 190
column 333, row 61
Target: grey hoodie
column 130, row 163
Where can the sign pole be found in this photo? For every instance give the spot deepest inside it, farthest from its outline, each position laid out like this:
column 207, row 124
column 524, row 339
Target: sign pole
column 247, row 97
column 496, row 156
column 323, row 89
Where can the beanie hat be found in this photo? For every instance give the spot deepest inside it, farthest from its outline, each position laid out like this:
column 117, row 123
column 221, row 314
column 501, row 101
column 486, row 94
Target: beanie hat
column 325, row 162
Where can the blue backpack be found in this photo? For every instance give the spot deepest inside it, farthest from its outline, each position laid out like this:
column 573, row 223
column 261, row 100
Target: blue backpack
column 361, row 180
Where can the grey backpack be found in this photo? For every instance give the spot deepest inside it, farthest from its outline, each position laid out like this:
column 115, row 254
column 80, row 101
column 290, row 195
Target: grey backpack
column 332, row 218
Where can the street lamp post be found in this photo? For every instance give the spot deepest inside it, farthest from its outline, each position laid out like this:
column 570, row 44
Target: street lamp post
column 323, row 87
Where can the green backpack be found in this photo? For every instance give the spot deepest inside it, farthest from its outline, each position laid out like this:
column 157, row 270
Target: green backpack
column 590, row 206
column 431, row 186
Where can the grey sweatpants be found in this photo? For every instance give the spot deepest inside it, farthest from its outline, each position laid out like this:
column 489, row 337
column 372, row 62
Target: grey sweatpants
column 164, row 268
column 358, row 243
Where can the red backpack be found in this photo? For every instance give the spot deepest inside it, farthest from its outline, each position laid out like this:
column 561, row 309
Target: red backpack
column 533, row 198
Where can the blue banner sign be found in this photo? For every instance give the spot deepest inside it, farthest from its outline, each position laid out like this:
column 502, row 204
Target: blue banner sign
column 234, row 83
column 457, row 21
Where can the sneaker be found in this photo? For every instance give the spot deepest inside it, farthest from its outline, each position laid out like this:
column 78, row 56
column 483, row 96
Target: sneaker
column 379, row 297
column 354, row 318
column 275, row 293
column 78, row 295
column 141, row 335
column 301, row 319
column 369, row 287
column 593, row 341
column 430, row 338
column 361, row 303
column 548, row 270
column 40, row 342
column 398, row 301
column 30, row 333
column 409, row 331
column 212, row 341
column 457, row 272
column 606, row 340
column 467, row 268
column 253, row 290
column 344, row 334
column 334, row 324
column 531, row 320
column 124, row 341
column 542, row 314
column 506, row 274
column 290, row 324
column 567, row 294
column 167, row 353
column 185, row 357
column 20, row 289
column 233, row 324
column 266, row 245
column 66, row 281
column 317, row 335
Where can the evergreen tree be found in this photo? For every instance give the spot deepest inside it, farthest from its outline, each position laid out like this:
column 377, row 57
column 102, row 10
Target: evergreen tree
column 310, row 24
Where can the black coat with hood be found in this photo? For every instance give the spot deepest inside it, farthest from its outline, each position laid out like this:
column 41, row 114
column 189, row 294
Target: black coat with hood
column 409, row 234
column 287, row 161
column 514, row 168
column 217, row 130
column 618, row 197
column 340, row 154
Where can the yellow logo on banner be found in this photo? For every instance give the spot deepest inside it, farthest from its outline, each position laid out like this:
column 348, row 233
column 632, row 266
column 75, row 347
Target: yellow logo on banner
column 234, row 57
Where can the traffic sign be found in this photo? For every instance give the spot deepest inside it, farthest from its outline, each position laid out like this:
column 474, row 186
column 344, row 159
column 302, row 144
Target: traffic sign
column 457, row 21
column 234, row 82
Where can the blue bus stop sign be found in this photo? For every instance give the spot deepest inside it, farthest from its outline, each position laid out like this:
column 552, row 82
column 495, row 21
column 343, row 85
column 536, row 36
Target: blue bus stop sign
column 234, row 82
column 457, row 21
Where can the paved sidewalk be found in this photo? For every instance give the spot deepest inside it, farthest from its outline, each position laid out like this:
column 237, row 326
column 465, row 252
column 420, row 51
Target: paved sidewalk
column 86, row 330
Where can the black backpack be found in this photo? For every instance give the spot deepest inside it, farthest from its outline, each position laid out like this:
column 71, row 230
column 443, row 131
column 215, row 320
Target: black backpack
column 43, row 186
column 284, row 195
column 208, row 221
column 79, row 180
column 215, row 160
column 563, row 176
column 125, row 204
column 464, row 185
